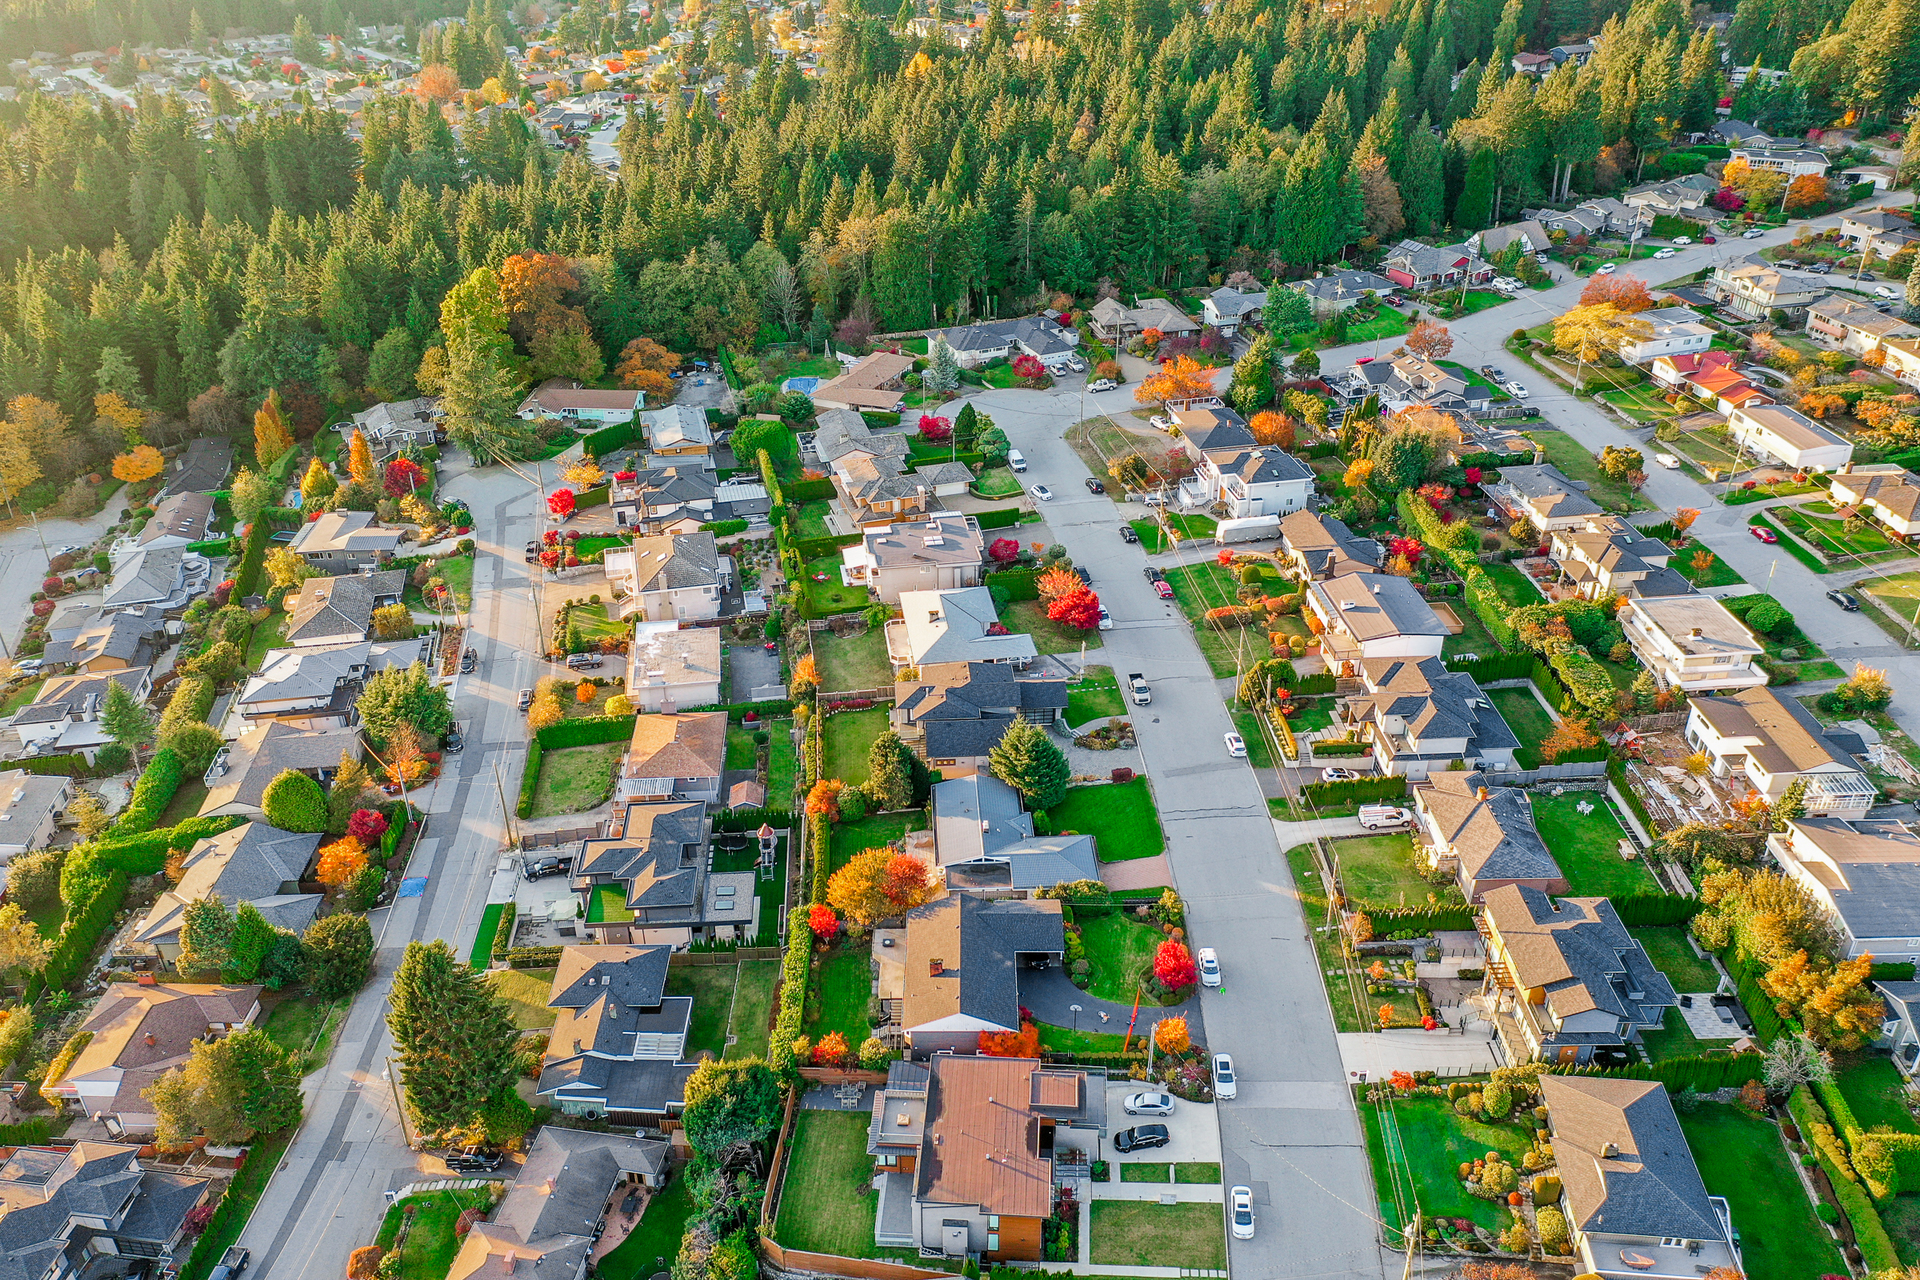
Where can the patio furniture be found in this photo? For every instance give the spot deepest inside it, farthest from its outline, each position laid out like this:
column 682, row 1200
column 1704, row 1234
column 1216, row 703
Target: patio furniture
column 1637, row 1261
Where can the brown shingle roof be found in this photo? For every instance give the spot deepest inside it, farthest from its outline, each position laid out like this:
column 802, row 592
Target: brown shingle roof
column 984, row 1140
column 672, row 745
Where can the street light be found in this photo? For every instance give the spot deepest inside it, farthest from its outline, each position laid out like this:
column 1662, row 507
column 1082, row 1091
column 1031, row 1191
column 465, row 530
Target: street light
column 1076, row 1018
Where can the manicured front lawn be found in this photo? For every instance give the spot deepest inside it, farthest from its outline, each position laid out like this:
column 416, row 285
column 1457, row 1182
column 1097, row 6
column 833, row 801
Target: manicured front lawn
column 1741, row 1157
column 1527, row 717
column 711, row 987
column 753, row 1008
column 1119, row 816
column 1148, row 1172
column 526, row 992
column 997, row 482
column 1667, row 947
column 1816, row 523
column 1199, row 1172
column 1432, row 1143
column 576, row 779
column 1873, row 1089
column 825, row 1204
column 305, row 1028
column 855, row 662
column 1586, row 845
column 1030, row 617
column 652, row 1246
column 1378, row 870
column 1067, row 1040
column 848, row 735
column 1639, row 403
column 1140, row 1233
column 594, row 624
column 1718, row 572
column 850, row 838
column 1572, row 458
column 430, row 1245
column 21, row 697
column 845, row 983
column 1096, row 696
column 1120, row 949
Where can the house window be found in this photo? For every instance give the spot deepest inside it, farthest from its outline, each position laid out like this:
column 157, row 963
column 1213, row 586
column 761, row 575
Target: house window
column 993, row 1242
column 993, row 1222
column 888, row 1162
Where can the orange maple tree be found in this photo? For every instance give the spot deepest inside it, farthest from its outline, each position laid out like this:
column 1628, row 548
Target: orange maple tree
column 1056, row 582
column 1024, row 1043
column 1269, row 427
column 1181, row 378
column 340, row 862
column 1627, row 294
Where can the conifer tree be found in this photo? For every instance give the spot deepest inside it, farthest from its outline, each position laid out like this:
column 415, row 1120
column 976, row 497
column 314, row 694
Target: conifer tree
column 1026, row 760
column 454, row 1039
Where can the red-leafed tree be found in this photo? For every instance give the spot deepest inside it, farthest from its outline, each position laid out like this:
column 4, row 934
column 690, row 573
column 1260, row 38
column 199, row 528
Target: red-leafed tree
column 935, row 429
column 367, row 825
column 1078, row 608
column 1173, row 966
column 1003, row 551
column 832, row 1050
column 823, row 922
column 1024, row 1043
column 1411, row 548
column 550, row 557
column 1029, row 367
column 403, row 475
column 561, row 502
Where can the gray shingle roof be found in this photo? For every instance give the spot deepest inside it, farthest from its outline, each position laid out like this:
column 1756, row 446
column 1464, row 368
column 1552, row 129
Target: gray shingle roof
column 978, row 820
column 1577, row 950
column 991, row 934
column 1649, row 1184
column 342, row 605
column 131, row 635
column 203, row 467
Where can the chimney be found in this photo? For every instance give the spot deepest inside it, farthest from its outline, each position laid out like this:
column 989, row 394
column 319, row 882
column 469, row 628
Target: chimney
column 1608, row 1150
column 1846, row 468
column 1481, row 794
column 1695, row 633
column 936, row 967
column 1376, row 588
column 511, row 1258
column 150, row 1039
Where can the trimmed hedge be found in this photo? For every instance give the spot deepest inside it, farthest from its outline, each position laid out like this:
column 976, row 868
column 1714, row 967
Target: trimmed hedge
column 1320, row 682
column 1360, row 790
column 998, row 518
column 1869, row 1232
column 586, row 731
column 807, row 490
column 146, row 854
column 607, row 439
column 814, row 548
column 752, row 820
column 66, row 766
column 880, row 418
column 88, row 920
column 1500, row 666
column 770, row 709
column 503, row 932
column 1420, row 919
column 529, row 780
column 1337, row 748
column 725, row 528
column 1703, row 1073
column 1768, row 1025
column 1015, row 584
column 1649, row 907
column 151, row 794
column 533, row 957
column 253, row 559
column 792, row 995
column 1891, row 971
column 212, row 547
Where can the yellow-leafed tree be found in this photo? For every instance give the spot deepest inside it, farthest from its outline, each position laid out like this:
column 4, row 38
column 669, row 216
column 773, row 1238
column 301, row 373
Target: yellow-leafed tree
column 143, row 463
column 359, row 458
column 272, row 436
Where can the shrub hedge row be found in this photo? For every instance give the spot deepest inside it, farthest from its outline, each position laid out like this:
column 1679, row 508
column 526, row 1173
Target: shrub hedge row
column 253, row 559
column 807, row 490
column 503, row 932
column 1361, row 790
column 792, row 995
column 1869, row 1232
column 1703, row 1072
column 810, row 549
column 753, row 819
column 607, row 439
column 1499, row 666
column 585, row 731
column 1648, row 907
column 999, row 517
column 64, row 766
column 151, row 794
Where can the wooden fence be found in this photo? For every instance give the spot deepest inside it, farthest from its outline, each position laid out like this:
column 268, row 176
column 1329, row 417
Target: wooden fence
column 1588, row 774
column 828, row 1264
column 707, row 959
column 554, row 839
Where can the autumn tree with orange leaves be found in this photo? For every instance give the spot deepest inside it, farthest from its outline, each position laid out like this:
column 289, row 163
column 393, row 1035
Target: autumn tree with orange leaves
column 878, row 883
column 1429, row 341
column 1024, row 1043
column 1628, row 294
column 1181, row 378
column 1273, row 428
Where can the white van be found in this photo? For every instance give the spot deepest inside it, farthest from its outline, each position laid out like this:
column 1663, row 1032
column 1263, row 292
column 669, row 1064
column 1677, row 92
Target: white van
column 1016, row 460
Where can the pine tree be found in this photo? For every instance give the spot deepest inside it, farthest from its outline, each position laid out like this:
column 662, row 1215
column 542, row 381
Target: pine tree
column 206, row 936
column 943, row 370
column 1791, row 804
column 1252, row 386
column 126, row 721
column 455, row 1041
column 272, row 437
column 889, row 773
column 1474, row 210
column 339, row 955
column 1028, row 761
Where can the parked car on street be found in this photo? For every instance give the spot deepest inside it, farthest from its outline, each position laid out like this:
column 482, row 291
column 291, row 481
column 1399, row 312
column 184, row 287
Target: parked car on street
column 1223, row 1082
column 1763, row 533
column 231, row 1264
column 1881, row 291
column 1094, row 485
column 526, row 699
column 1846, row 600
column 1141, row 1137
column 584, row 661
column 1236, row 746
column 1663, row 253
column 533, row 552
column 1240, row 1212
column 1148, row 1104
column 1683, row 240
column 1163, row 588
column 1667, row 460
column 452, row 742
column 1709, row 239
column 1753, row 233
column 1209, row 967
column 1102, row 384
column 1041, row 492
column 1106, row 619
column 1607, row 269
column 1127, row 534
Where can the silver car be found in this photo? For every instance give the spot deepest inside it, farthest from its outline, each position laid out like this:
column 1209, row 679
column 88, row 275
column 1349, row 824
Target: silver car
column 1148, row 1104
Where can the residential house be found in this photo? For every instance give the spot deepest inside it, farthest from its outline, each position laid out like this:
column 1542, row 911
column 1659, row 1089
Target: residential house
column 1674, row 372
column 1321, row 547
column 339, row 610
column 982, row 840
column 841, row 435
column 673, row 577
column 1228, row 308
column 1789, row 437
column 959, row 625
column 619, row 1041
column 109, row 641
column 1693, row 643
column 1738, row 133
column 176, row 521
column 1591, row 218
column 1410, row 382
column 31, row 805
column 1531, row 235
column 1485, row 836
column 545, row 1226
column 396, row 425
column 253, row 863
column 1114, row 321
column 1675, row 331
column 1722, row 388
column 1756, row 288
column 1861, row 227
column 1544, row 496
column 964, row 954
column 1865, row 874
column 316, row 687
column 1631, row 1192
column 937, row 554
column 1900, row 1031
column 1772, row 742
column 1374, row 615
column 1888, row 493
column 1255, row 480
column 1567, row 977
column 873, row 384
column 1332, row 291
column 571, row 401
column 69, row 1209
column 1881, row 177
column 203, row 468
column 1605, row 556
column 64, row 716
column 665, row 496
column 1852, row 326
column 1423, row 719
column 1903, row 359
column 345, row 542
column 1210, row 425
column 674, row 756
column 1677, row 197
column 679, row 431
column 1422, row 267
column 1577, row 53
column 243, row 769
column 1794, row 162
column 879, row 491
column 968, row 1148
column 669, row 668
column 956, row 712
column 1043, row 337
column 168, row 577
column 138, row 1032
column 648, row 881
column 741, row 498
column 1533, row 64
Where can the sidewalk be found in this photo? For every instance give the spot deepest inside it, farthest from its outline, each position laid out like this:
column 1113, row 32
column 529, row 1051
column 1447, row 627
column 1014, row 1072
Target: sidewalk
column 1379, row 1053
column 1196, row 1192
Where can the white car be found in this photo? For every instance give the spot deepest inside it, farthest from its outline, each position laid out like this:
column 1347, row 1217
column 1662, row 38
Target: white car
column 1664, row 253
column 1159, row 422
column 1041, row 492
column 1683, row 239
column 1376, row 817
column 1753, row 233
column 1881, row 291
column 1667, row 460
column 1331, row 774
column 1236, row 746
column 1106, row 619
column 1240, row 1212
column 1209, row 968
column 1607, row 269
column 1102, row 384
column 1148, row 1104
column 28, row 665
column 1517, row 391
column 1223, row 1085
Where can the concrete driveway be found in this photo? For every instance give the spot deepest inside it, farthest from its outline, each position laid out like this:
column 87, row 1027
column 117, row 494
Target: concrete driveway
column 1193, row 1128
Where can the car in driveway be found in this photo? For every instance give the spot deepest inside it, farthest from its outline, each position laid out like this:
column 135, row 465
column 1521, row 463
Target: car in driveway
column 1142, row 1137
column 1127, row 534
column 1763, row 533
column 1094, row 485
column 1224, row 1085
column 1667, row 460
column 453, row 742
column 1102, row 384
column 1209, row 963
column 1041, row 492
column 1240, row 1212
column 1607, row 269
column 1845, row 599
column 1148, row 1104
column 1160, row 422
column 1881, row 291
column 549, row 865
column 1332, row 774
column 1383, row 817
column 1163, row 588
column 474, row 1160
column 1236, row 746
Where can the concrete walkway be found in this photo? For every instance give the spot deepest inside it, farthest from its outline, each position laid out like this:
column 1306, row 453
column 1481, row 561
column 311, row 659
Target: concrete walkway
column 1378, row 1053
column 1195, row 1192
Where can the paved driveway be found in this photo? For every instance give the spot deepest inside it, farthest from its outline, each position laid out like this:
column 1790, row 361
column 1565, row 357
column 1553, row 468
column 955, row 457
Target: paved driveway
column 1192, row 1130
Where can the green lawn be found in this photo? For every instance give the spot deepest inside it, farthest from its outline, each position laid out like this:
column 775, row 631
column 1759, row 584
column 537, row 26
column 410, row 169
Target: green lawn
column 1120, row 948
column 783, row 764
column 1568, row 454
column 750, row 1024
column 1474, row 636
column 1147, row 1172
column 594, row 624
column 997, row 482
column 845, row 983
column 21, row 697
column 1515, row 587
column 1387, row 324
column 1528, row 719
column 575, row 779
column 812, row 518
column 1201, row 1172
column 1815, row 522
column 1095, row 696
column 1326, row 942
column 1253, row 732
column 1901, row 1217
column 825, row 1203
column 831, row 595
column 856, row 662
column 1667, row 947
column 526, row 992
column 185, row 804
column 305, row 1028
column 1675, row 1039
column 850, row 838
column 269, row 633
column 847, row 737
column 740, row 747
column 1718, row 573
column 1378, row 870
column 711, row 987
column 1873, row 1089
column 430, row 1244
column 1586, row 844
column 1119, row 816
column 655, row 1243
column 1144, row 1233
column 1067, row 1040
column 1433, row 1141
column 1200, row 587
column 48, row 916
column 1186, row 528
column 1643, row 404
column 1741, row 1157
column 1030, row 616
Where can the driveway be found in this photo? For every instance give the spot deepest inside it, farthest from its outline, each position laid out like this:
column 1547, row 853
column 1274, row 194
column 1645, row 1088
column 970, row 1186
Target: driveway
column 25, row 550
column 1192, row 1130
column 753, row 668
column 1051, row 995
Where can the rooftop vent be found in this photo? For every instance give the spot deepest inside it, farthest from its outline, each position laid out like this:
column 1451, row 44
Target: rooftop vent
column 903, row 1120
column 1609, row 1150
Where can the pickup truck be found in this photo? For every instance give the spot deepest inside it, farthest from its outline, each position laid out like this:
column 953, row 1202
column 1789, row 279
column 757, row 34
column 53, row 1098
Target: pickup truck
column 1137, row 686
column 231, row 1264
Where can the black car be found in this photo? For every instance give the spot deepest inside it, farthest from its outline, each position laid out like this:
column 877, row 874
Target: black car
column 1846, row 600
column 1141, row 1137
column 453, row 741
column 1127, row 534
column 540, row 868
column 474, row 1160
column 1153, row 574
column 1094, row 485
column 533, row 552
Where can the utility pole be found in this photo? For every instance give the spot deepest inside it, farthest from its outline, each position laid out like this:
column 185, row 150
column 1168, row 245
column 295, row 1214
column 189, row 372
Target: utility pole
column 399, row 1103
column 506, row 812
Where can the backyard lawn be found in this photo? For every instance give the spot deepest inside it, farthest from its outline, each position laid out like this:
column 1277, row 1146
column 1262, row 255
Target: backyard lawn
column 847, row 736
column 750, row 1023
column 305, row 1027
column 1378, row 870
column 1675, row 1039
column 1030, row 617
column 1515, row 587
column 1573, row 460
column 1586, row 845
column 526, row 992
column 826, row 592
column 1873, row 1089
column 1120, row 949
column 1066, row 1040
column 1432, row 1142
column 711, row 987
column 740, row 747
column 853, row 662
column 1145, row 1233
column 653, row 1245
column 1741, row 1157
column 1095, row 696
column 826, row 1205
column 845, row 982
column 1527, row 717
column 1816, row 522
column 576, row 779
column 430, row 1245
column 813, row 519
column 1119, row 816
column 1667, row 947
column 872, row 832
column 783, row 764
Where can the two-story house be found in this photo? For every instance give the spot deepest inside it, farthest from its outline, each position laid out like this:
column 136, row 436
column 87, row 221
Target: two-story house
column 1606, row 556
column 1678, row 197
column 664, row 496
column 939, row 553
column 1227, row 309
column 1888, row 493
column 676, row 756
column 1755, row 288
column 137, row 1033
column 874, row 491
column 984, row 841
column 1772, row 741
column 109, row 641
column 1256, row 480
column 317, row 687
column 1631, row 1192
column 964, row 957
column 1484, row 835
column 1532, row 236
column 1673, row 331
column 1544, row 496
column 1374, row 615
column 670, row 666
column 1850, row 325
column 243, row 769
column 345, row 542
column 1114, row 321
column 1861, row 228
column 66, row 1209
column 396, row 425
column 1423, row 719
column 959, row 625
column 167, row 578
column 1332, row 291
column 672, row 577
column 840, row 435
column 1422, row 267
column 1693, row 643
column 254, row 863
column 1411, row 382
column 1566, row 977
column 569, row 400
column 65, row 715
column 32, row 805
column 1900, row 1030
column 954, row 713
column 1794, row 162
column 1865, row 875
column 618, row 1040
column 1319, row 547
column 339, row 610
column 548, row 1224
column 1789, row 437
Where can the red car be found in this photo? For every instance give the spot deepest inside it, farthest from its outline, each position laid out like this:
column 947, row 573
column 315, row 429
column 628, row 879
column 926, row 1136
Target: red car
column 1709, row 240
column 1163, row 589
column 1763, row 533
